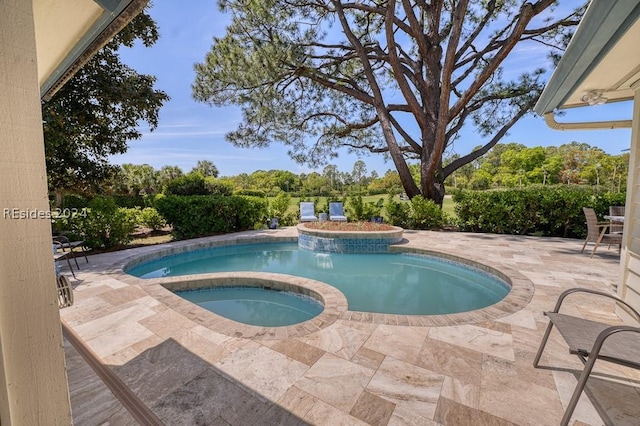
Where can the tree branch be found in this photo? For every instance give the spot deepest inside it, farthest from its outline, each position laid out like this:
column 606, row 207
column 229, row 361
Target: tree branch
column 459, row 162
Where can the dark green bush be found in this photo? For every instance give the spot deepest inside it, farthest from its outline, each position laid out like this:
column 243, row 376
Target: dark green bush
column 358, row 210
column 74, row 201
column 251, row 193
column 189, row 184
column 289, row 219
column 105, row 225
column 198, row 216
column 535, row 210
column 419, row 213
column 398, row 212
column 425, row 214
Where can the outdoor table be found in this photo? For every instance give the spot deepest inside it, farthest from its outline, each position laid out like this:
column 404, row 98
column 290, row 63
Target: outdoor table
column 618, row 219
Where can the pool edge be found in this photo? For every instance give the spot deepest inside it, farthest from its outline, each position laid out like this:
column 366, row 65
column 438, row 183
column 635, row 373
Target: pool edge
column 520, row 294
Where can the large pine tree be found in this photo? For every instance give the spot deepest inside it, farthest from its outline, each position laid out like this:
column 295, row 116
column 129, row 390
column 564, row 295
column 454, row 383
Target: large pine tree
column 398, row 77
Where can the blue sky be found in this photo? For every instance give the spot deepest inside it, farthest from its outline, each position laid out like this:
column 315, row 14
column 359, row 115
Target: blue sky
column 189, row 131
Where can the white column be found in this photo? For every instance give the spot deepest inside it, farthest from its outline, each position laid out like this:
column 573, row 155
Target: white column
column 629, row 286
column 33, row 382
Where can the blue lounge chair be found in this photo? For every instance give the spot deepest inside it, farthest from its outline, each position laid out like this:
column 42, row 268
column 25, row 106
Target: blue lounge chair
column 307, row 212
column 336, row 212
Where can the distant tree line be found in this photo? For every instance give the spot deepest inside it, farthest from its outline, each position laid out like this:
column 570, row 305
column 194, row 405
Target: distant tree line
column 509, row 165
column 513, row 165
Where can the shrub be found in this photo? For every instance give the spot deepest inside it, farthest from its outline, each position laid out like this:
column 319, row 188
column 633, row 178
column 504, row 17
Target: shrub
column 398, row 212
column 279, row 205
column 359, row 210
column 419, row 213
column 132, row 214
column 289, row 219
column 214, row 187
column 425, row 214
column 189, row 184
column 105, row 225
column 251, row 193
column 150, row 218
column 198, row 216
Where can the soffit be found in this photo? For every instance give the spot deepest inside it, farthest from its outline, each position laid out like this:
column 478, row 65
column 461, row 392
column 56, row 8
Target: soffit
column 69, row 32
column 602, row 55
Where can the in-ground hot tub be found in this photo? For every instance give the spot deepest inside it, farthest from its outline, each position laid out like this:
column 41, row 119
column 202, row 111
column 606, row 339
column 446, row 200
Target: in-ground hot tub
column 355, row 242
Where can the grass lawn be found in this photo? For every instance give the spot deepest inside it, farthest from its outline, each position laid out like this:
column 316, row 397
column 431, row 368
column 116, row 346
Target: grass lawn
column 447, row 206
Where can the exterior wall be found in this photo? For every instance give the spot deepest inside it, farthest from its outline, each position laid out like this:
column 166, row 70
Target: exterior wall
column 629, row 288
column 33, row 382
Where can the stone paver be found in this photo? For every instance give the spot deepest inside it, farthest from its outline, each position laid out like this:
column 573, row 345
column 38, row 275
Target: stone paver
column 351, row 368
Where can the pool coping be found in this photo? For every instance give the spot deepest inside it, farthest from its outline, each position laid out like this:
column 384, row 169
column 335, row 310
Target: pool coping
column 336, row 307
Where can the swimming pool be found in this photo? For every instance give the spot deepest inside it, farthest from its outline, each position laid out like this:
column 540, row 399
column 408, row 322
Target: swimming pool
column 380, row 283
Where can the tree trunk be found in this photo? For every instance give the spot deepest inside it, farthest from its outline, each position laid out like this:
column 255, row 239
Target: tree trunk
column 59, row 197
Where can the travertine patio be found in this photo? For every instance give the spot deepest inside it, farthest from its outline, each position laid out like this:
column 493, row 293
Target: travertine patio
column 357, row 369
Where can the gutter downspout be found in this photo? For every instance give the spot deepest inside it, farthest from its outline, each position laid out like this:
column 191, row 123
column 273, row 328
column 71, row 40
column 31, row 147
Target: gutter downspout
column 550, row 119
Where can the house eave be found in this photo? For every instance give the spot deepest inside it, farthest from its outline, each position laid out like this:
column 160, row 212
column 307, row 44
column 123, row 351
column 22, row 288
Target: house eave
column 115, row 16
column 603, row 26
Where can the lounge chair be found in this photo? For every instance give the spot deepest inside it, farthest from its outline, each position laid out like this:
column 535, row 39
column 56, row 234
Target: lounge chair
column 597, row 232
column 336, row 212
column 307, row 212
column 590, row 340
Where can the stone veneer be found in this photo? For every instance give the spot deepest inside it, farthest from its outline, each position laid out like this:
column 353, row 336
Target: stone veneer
column 353, row 242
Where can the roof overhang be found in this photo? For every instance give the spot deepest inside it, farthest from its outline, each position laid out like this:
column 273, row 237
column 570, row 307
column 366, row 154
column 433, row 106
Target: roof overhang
column 602, row 58
column 69, row 32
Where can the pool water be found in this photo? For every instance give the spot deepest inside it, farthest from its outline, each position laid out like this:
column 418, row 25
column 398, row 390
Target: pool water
column 254, row 305
column 383, row 283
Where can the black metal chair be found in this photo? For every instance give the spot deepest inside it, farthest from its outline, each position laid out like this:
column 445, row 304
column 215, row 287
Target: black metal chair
column 65, row 243
column 60, row 254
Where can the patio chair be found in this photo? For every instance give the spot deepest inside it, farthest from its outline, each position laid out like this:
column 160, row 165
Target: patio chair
column 307, row 212
column 591, row 340
column 597, row 232
column 336, row 212
column 65, row 291
column 59, row 254
column 65, row 243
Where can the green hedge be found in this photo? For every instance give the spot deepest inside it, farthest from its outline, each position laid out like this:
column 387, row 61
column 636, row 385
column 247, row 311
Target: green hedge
column 77, row 201
column 201, row 215
column 251, row 193
column 535, row 210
